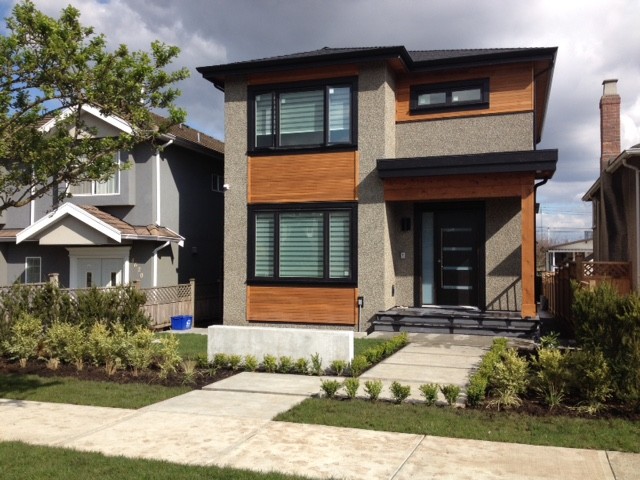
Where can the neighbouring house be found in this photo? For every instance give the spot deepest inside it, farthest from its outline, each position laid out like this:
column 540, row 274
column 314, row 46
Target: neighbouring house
column 158, row 221
column 362, row 179
column 558, row 254
column 615, row 195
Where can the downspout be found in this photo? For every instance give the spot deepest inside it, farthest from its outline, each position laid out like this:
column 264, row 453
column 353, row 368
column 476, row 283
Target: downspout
column 158, row 183
column 637, row 170
column 535, row 250
column 158, row 210
column 155, row 262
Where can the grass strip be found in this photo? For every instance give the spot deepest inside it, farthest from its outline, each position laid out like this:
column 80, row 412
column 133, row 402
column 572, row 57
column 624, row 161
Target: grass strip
column 605, row 434
column 84, row 392
column 20, row 461
column 190, row 345
column 360, row 345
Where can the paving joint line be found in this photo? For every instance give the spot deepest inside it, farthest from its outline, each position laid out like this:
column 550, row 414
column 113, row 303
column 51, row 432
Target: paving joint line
column 404, row 462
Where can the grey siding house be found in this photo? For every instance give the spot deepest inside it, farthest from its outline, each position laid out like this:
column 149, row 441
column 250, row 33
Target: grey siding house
column 157, row 221
column 363, row 179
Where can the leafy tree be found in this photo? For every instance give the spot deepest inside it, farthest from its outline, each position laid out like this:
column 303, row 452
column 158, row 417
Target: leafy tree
column 50, row 70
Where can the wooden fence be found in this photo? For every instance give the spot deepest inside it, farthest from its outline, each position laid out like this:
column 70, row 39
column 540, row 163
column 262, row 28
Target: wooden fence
column 556, row 286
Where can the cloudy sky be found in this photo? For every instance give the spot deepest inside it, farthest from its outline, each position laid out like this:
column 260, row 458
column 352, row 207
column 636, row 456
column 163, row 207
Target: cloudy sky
column 597, row 40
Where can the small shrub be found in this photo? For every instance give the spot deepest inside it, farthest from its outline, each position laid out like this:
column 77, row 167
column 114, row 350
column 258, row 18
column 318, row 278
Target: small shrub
column 509, row 380
column 302, row 366
column 375, row 354
column 221, row 360
column 202, row 360
column 270, row 363
column 551, row 340
column 168, row 356
column 477, row 390
column 99, row 343
column 451, row 393
column 591, row 379
column 142, row 351
column 373, row 388
column 53, row 363
column 316, row 364
column 250, row 363
column 430, row 393
column 234, row 362
column 25, row 338
column 358, row 365
column 190, row 371
column 285, row 364
column 338, row 367
column 400, row 392
column 351, row 386
column 330, row 387
column 550, row 378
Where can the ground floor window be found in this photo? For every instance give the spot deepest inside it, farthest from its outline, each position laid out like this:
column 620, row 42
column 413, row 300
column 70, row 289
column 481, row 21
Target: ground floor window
column 302, row 243
column 33, row 270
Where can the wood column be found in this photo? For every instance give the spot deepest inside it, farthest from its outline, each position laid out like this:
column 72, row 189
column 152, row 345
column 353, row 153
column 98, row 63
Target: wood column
column 528, row 251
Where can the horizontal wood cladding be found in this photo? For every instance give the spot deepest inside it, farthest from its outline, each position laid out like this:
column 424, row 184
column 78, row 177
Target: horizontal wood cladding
column 456, row 187
column 321, row 177
column 510, row 91
column 303, row 75
column 322, row 306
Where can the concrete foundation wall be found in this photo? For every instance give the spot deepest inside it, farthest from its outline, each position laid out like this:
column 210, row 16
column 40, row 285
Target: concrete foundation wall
column 292, row 342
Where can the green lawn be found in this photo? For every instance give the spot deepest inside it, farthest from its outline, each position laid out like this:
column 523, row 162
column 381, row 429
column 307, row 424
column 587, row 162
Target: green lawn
column 82, row 392
column 613, row 434
column 191, row 345
column 20, row 461
column 362, row 344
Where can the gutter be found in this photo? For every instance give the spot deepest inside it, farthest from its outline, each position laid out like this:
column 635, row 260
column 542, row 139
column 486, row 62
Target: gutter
column 155, row 262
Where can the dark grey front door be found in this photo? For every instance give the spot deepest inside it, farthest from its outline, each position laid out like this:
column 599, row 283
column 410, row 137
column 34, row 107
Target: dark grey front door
column 452, row 254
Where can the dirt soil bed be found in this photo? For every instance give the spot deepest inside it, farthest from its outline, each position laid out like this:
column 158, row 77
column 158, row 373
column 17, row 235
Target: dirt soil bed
column 90, row 372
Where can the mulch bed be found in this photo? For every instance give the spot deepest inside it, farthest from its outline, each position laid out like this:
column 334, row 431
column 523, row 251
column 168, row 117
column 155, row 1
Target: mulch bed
column 90, row 372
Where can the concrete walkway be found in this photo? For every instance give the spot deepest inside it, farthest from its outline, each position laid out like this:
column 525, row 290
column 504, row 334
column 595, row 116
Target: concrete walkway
column 229, row 424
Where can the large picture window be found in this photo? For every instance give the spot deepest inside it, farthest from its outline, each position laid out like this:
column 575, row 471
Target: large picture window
column 467, row 95
column 303, row 117
column 309, row 243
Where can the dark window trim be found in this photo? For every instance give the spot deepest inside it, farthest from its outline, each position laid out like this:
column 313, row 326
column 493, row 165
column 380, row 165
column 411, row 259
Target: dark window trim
column 351, row 207
column 448, row 88
column 277, row 89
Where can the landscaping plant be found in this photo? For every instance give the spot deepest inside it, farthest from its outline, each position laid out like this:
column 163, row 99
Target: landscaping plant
column 285, row 364
column 358, row 365
column 250, row 363
column 430, row 393
column 316, row 364
column 509, row 380
column 330, row 387
column 24, row 339
column 400, row 392
column 270, row 363
column 338, row 367
column 234, row 362
column 302, row 366
column 373, row 389
column 351, row 386
column 550, row 376
column 451, row 393
column 221, row 360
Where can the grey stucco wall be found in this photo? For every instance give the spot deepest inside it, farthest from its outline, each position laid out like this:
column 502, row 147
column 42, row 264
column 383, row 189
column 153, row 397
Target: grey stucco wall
column 503, row 258
column 54, row 260
column 458, row 136
column 402, row 243
column 376, row 134
column 235, row 204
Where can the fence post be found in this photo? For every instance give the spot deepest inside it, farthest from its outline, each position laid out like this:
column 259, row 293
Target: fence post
column 54, row 279
column 192, row 283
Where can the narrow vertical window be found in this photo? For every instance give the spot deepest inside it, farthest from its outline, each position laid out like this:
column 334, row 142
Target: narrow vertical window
column 33, row 270
column 264, row 120
column 339, row 245
column 339, row 115
column 264, row 252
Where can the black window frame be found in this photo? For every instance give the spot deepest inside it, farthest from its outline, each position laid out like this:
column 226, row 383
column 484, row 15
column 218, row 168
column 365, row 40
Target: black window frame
column 279, row 89
column 448, row 88
column 326, row 209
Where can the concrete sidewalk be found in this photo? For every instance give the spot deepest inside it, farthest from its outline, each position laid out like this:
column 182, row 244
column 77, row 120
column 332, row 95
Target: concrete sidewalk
column 229, row 424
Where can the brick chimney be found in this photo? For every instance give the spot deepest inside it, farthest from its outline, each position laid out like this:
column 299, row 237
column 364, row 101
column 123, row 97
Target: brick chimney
column 609, row 123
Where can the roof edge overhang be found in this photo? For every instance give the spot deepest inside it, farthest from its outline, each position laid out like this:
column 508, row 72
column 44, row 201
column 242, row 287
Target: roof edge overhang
column 216, row 74
column 542, row 163
column 69, row 209
column 613, row 166
column 112, row 120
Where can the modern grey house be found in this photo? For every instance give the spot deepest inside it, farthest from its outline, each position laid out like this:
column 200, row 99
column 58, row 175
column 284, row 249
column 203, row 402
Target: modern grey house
column 363, row 179
column 157, row 221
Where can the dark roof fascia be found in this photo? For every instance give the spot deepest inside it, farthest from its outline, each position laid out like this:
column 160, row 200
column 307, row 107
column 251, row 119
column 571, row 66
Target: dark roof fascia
column 216, row 73
column 490, row 58
column 541, row 162
column 196, row 147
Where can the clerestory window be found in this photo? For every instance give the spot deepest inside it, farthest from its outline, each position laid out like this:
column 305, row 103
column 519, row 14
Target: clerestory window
column 467, row 95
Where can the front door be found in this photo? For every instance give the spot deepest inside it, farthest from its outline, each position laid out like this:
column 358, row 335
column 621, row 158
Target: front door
column 452, row 266
column 99, row 272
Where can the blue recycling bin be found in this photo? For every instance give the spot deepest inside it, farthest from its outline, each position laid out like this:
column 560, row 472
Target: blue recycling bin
column 181, row 322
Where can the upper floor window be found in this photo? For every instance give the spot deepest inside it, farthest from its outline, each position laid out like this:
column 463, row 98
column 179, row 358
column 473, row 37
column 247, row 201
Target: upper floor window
column 468, row 95
column 318, row 115
column 91, row 187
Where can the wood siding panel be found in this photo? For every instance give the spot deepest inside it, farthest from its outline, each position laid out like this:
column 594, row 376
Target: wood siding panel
column 528, row 251
column 510, row 91
column 321, row 306
column 326, row 177
column 303, row 75
column 455, row 187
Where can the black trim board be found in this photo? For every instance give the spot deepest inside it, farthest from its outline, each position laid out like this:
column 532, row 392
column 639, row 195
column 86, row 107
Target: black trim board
column 540, row 162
